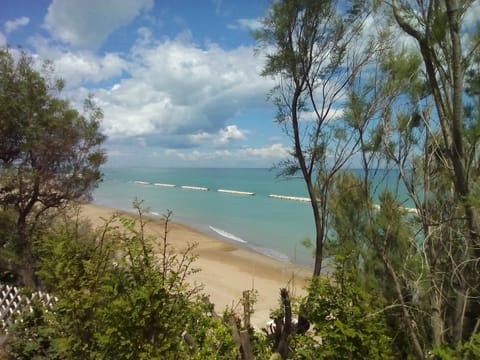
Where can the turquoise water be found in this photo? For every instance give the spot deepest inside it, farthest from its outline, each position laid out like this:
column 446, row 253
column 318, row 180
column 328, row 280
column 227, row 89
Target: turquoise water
column 271, row 226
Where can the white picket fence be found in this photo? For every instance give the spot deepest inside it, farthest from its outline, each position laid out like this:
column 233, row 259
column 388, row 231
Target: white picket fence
column 12, row 301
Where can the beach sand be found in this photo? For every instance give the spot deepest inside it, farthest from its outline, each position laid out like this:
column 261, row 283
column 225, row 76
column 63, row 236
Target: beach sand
column 226, row 270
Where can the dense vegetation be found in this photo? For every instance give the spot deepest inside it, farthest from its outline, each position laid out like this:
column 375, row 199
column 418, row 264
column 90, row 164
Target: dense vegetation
column 403, row 280
column 50, row 155
column 392, row 87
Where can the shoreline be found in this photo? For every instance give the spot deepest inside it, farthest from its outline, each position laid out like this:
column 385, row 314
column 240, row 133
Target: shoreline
column 227, row 268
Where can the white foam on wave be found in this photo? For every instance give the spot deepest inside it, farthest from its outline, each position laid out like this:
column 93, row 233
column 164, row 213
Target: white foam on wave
column 154, row 213
column 227, row 234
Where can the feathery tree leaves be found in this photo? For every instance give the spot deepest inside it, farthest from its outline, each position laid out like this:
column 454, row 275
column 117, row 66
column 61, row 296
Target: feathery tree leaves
column 50, row 154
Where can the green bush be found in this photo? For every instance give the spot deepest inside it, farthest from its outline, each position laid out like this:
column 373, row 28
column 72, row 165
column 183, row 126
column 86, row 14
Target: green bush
column 344, row 323
column 120, row 296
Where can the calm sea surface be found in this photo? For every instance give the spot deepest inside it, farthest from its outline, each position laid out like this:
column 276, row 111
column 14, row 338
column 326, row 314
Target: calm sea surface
column 271, row 226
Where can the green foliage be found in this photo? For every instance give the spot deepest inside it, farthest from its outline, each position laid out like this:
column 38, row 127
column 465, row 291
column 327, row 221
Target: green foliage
column 467, row 350
column 350, row 209
column 304, row 19
column 33, row 333
column 366, row 240
column 50, row 154
column 345, row 321
column 121, row 295
column 214, row 339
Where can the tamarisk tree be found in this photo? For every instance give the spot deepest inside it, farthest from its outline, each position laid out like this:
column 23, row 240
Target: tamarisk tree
column 50, row 154
column 306, row 44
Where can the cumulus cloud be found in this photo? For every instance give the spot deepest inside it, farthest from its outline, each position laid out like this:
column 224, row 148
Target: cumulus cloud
column 177, row 88
column 224, row 136
column 166, row 90
column 12, row 25
column 87, row 23
column 80, row 67
column 77, row 67
column 162, row 93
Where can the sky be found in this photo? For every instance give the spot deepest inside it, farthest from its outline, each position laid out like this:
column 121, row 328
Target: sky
column 178, row 80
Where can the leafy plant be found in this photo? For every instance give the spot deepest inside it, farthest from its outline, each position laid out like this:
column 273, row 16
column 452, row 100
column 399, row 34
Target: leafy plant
column 345, row 324
column 120, row 295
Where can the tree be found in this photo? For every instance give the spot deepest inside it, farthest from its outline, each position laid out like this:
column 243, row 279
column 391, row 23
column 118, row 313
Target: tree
column 313, row 65
column 347, row 319
column 447, row 46
column 50, row 154
column 426, row 111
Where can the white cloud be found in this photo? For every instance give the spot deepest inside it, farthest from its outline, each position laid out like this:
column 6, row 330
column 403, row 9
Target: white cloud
column 231, row 132
column 87, row 23
column 3, row 40
column 77, row 67
column 80, row 67
column 333, row 114
column 247, row 24
column 223, row 137
column 274, row 151
column 12, row 25
column 171, row 93
column 256, row 156
column 178, row 88
column 160, row 93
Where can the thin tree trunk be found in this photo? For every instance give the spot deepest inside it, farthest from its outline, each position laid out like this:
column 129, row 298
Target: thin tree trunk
column 437, row 323
column 407, row 318
column 307, row 176
column 319, row 232
column 459, row 314
column 26, row 271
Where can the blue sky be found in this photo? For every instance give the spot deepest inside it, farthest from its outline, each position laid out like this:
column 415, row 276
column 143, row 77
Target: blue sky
column 178, row 81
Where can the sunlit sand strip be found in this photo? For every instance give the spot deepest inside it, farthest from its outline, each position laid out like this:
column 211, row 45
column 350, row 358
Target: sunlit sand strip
column 236, row 192
column 194, row 188
column 285, row 197
column 141, row 182
column 164, row 185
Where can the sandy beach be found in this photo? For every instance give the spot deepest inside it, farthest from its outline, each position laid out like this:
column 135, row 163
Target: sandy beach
column 226, row 270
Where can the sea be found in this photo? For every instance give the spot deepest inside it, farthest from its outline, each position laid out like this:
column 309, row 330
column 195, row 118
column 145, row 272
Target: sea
column 271, row 226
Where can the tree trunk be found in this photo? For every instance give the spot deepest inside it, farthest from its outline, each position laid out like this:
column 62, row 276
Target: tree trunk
column 459, row 315
column 25, row 268
column 319, row 231
column 437, row 323
column 407, row 318
column 446, row 81
column 307, row 176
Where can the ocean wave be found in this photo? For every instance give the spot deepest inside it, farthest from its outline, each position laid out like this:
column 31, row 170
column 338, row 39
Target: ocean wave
column 227, row 235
